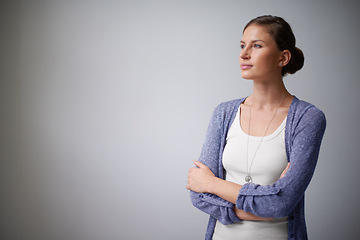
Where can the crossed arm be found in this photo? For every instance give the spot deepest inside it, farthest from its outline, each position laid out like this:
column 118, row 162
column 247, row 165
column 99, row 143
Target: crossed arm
column 202, row 180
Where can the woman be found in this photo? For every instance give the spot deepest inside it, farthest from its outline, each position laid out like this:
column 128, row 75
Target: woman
column 261, row 151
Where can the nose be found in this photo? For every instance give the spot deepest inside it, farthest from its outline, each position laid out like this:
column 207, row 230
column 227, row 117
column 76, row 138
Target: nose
column 244, row 53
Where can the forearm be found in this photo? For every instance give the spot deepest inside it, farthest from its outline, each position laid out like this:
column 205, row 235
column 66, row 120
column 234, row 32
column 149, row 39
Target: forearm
column 229, row 191
column 248, row 216
column 225, row 189
column 202, row 180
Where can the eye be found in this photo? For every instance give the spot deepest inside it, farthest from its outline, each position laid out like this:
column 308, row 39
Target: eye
column 257, row 46
column 242, row 46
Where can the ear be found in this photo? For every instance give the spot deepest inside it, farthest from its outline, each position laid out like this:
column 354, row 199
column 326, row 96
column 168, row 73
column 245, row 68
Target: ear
column 284, row 58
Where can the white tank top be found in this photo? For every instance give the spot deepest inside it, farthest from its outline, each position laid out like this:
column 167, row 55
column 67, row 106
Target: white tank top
column 267, row 166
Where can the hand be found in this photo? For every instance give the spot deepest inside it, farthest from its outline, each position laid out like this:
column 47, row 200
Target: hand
column 285, row 171
column 200, row 178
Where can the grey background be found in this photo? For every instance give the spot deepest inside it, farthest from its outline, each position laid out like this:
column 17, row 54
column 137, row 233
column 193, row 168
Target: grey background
column 104, row 105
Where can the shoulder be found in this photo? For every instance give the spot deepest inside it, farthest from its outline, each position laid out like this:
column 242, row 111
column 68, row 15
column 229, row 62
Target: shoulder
column 224, row 113
column 301, row 108
column 305, row 113
column 228, row 106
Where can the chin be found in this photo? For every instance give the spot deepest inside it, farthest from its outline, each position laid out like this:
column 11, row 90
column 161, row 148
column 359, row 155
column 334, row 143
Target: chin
column 246, row 76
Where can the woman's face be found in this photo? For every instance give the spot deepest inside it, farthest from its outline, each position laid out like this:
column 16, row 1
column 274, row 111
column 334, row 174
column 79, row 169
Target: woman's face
column 260, row 57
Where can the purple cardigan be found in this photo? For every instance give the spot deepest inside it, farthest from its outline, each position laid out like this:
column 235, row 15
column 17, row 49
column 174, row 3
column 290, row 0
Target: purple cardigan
column 305, row 127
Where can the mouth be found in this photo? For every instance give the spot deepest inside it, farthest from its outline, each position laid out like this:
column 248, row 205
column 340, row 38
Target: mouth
column 245, row 66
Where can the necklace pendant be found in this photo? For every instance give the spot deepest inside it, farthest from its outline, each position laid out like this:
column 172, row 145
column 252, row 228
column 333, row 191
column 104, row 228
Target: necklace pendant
column 248, row 179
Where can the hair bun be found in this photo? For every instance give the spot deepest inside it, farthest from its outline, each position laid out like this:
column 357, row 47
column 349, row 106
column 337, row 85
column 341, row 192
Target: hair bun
column 296, row 62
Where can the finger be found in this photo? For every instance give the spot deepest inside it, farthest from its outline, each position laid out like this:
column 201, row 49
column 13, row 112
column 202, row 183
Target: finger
column 288, row 166
column 285, row 170
column 199, row 164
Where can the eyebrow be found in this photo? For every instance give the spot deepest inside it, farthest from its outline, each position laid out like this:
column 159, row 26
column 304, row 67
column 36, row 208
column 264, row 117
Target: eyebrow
column 253, row 41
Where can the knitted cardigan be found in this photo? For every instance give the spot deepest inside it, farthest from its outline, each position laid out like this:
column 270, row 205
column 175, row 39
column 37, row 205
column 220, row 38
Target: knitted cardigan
column 304, row 130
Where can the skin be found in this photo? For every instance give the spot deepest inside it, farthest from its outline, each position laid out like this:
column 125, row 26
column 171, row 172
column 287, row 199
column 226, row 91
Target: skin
column 260, row 61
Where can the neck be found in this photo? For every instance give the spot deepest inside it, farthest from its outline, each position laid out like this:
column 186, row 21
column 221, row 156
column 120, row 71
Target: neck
column 268, row 95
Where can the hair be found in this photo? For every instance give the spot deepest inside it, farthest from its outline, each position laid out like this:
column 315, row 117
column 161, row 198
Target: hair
column 284, row 37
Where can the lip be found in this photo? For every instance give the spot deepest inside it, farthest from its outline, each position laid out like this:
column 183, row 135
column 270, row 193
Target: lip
column 245, row 66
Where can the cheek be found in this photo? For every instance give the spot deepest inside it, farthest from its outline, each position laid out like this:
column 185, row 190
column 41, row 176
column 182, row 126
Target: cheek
column 268, row 60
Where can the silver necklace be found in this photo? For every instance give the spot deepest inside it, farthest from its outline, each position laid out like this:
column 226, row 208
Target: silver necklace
column 248, row 178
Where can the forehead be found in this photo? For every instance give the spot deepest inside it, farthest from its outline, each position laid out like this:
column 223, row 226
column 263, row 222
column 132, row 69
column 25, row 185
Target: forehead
column 256, row 32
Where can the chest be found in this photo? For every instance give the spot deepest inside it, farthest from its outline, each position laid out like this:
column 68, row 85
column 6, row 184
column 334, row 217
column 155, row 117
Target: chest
column 260, row 122
column 264, row 158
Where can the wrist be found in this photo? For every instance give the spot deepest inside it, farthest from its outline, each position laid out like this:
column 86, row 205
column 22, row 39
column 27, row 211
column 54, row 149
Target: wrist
column 227, row 190
column 212, row 187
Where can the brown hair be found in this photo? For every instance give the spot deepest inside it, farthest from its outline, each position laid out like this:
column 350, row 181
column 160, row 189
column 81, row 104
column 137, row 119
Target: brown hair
column 281, row 32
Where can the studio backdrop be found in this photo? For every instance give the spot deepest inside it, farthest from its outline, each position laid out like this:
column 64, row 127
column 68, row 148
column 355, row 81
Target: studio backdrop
column 105, row 104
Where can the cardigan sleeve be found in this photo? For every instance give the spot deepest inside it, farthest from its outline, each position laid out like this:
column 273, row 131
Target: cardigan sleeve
column 210, row 155
column 281, row 198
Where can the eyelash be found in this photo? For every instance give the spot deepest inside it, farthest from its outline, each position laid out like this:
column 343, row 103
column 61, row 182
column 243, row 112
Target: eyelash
column 242, row 46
